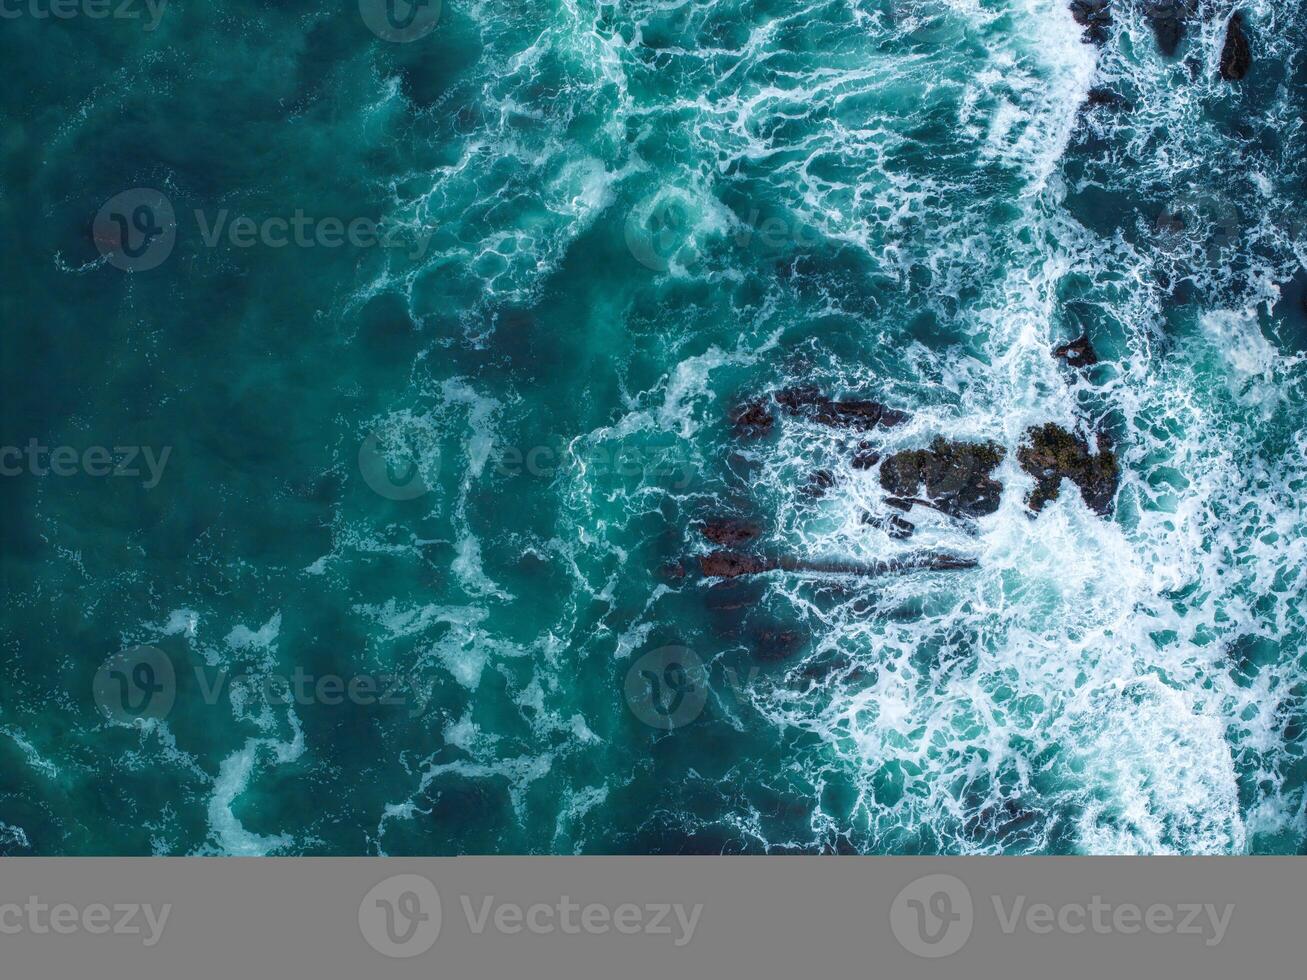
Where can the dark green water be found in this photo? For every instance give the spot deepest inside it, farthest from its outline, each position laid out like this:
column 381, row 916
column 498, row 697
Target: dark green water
column 427, row 388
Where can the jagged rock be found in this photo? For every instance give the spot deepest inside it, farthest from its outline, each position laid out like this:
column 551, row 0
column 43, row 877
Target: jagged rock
column 1167, row 18
column 752, row 419
column 865, row 458
column 1077, row 353
column 1108, row 99
column 893, row 525
column 775, row 644
column 1050, row 453
column 730, row 533
column 807, row 401
column 1095, row 16
column 819, row 482
column 1236, row 55
column 955, row 475
column 729, row 564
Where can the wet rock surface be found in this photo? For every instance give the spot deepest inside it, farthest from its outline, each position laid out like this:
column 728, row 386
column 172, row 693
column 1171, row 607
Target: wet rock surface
column 1106, row 98
column 1167, row 19
column 955, row 475
column 752, row 419
column 1076, row 353
column 729, row 532
column 810, row 403
column 893, row 525
column 724, row 564
column 1095, row 16
column 1050, row 453
column 1236, row 55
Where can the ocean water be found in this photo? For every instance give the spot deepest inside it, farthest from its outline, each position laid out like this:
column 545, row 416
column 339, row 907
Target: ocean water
column 397, row 553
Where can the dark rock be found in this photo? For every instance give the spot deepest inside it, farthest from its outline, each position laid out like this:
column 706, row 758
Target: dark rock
column 1050, row 453
column 810, row 403
column 865, row 458
column 1167, row 18
column 1107, row 99
column 729, row 564
column 672, row 571
column 770, row 645
column 893, row 525
column 752, row 419
column 1095, row 16
column 730, row 533
column 1077, row 353
column 1236, row 56
column 955, row 475
column 819, row 482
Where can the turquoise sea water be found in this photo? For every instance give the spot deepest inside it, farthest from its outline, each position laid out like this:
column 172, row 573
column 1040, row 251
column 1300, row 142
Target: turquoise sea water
column 474, row 455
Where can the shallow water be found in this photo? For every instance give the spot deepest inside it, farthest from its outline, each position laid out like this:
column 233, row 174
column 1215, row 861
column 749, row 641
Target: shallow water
column 476, row 457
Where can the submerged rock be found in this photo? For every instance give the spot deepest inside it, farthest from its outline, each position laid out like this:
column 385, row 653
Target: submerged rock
column 730, row 533
column 1077, row 353
column 1051, row 453
column 728, row 564
column 893, row 525
column 752, row 419
column 955, row 475
column 1095, row 16
column 1105, row 97
column 1167, row 18
column 865, row 458
column 810, row 403
column 819, row 482
column 1236, row 55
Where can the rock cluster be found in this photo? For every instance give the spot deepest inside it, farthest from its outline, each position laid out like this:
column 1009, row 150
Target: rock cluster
column 1095, row 16
column 1050, row 454
column 955, row 476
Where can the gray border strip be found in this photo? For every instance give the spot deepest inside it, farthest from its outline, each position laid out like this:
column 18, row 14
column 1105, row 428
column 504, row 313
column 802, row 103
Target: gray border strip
column 653, row 917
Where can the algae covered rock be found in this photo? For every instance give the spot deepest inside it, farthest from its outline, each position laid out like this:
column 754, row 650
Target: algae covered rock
column 1051, row 453
column 955, row 475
